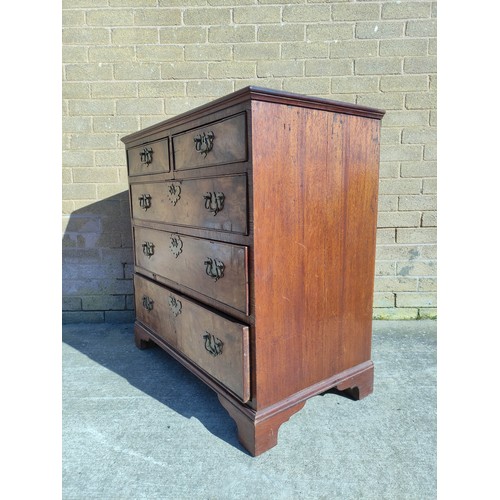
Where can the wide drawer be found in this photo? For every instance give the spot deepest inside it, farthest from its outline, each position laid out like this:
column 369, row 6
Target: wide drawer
column 216, row 143
column 149, row 158
column 216, row 344
column 217, row 270
column 218, row 203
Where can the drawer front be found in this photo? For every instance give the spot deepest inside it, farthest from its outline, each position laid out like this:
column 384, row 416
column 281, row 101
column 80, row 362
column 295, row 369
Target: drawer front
column 217, row 345
column 216, row 143
column 218, row 203
column 217, row 270
column 149, row 158
column 152, row 307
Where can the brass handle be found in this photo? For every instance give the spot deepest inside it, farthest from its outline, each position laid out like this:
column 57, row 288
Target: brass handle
column 145, row 201
column 204, row 143
column 147, row 303
column 148, row 248
column 146, row 156
column 174, row 193
column 214, row 201
column 175, row 245
column 212, row 344
column 214, row 268
column 175, row 305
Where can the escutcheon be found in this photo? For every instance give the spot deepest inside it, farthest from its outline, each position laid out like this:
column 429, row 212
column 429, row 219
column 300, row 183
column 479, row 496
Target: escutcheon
column 175, row 305
column 175, row 245
column 174, row 193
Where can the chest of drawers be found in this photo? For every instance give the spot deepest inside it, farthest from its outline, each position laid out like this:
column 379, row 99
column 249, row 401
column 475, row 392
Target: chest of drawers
column 254, row 223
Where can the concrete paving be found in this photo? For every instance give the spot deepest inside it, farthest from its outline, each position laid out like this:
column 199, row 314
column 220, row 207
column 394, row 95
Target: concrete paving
column 137, row 425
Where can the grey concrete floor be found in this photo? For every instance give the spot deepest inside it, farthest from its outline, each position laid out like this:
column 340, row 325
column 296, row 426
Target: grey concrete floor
column 137, row 425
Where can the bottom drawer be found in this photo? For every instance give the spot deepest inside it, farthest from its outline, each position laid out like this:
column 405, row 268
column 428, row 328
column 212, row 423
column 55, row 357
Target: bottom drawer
column 216, row 344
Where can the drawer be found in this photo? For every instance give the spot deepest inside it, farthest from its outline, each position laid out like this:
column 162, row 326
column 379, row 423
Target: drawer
column 216, row 344
column 218, row 203
column 152, row 307
column 217, row 270
column 216, row 143
column 149, row 158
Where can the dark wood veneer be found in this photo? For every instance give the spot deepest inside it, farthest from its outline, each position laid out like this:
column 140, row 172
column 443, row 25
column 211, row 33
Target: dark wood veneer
column 306, row 215
column 189, row 265
column 183, row 202
column 227, row 142
column 151, row 158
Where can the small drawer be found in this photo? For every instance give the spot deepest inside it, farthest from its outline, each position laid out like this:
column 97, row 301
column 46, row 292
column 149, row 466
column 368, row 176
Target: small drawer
column 216, row 143
column 217, row 270
column 218, row 203
column 149, row 158
column 216, row 344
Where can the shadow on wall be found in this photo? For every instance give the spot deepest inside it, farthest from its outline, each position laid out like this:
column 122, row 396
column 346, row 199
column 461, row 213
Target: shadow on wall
column 97, row 288
column 97, row 263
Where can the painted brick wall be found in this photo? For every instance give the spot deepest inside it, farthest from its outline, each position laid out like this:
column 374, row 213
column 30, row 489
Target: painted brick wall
column 131, row 63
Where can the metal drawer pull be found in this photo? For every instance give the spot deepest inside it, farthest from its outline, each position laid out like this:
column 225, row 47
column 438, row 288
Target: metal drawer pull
column 175, row 245
column 145, row 201
column 204, row 143
column 174, row 193
column 212, row 344
column 146, row 156
column 214, row 268
column 147, row 303
column 175, row 305
column 148, row 249
column 214, row 201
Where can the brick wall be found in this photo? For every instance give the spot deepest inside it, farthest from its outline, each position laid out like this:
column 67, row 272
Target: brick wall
column 131, row 63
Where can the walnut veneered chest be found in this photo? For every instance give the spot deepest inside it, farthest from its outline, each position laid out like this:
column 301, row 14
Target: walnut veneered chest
column 254, row 224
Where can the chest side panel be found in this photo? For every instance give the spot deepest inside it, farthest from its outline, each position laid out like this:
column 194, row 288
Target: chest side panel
column 315, row 177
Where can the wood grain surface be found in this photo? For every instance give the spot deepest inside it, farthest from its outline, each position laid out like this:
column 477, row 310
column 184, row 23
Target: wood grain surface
column 185, row 324
column 264, row 232
column 315, row 178
column 190, row 267
column 229, row 144
column 159, row 157
column 185, row 202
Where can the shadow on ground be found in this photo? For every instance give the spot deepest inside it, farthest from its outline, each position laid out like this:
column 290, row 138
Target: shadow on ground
column 153, row 372
column 137, row 425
